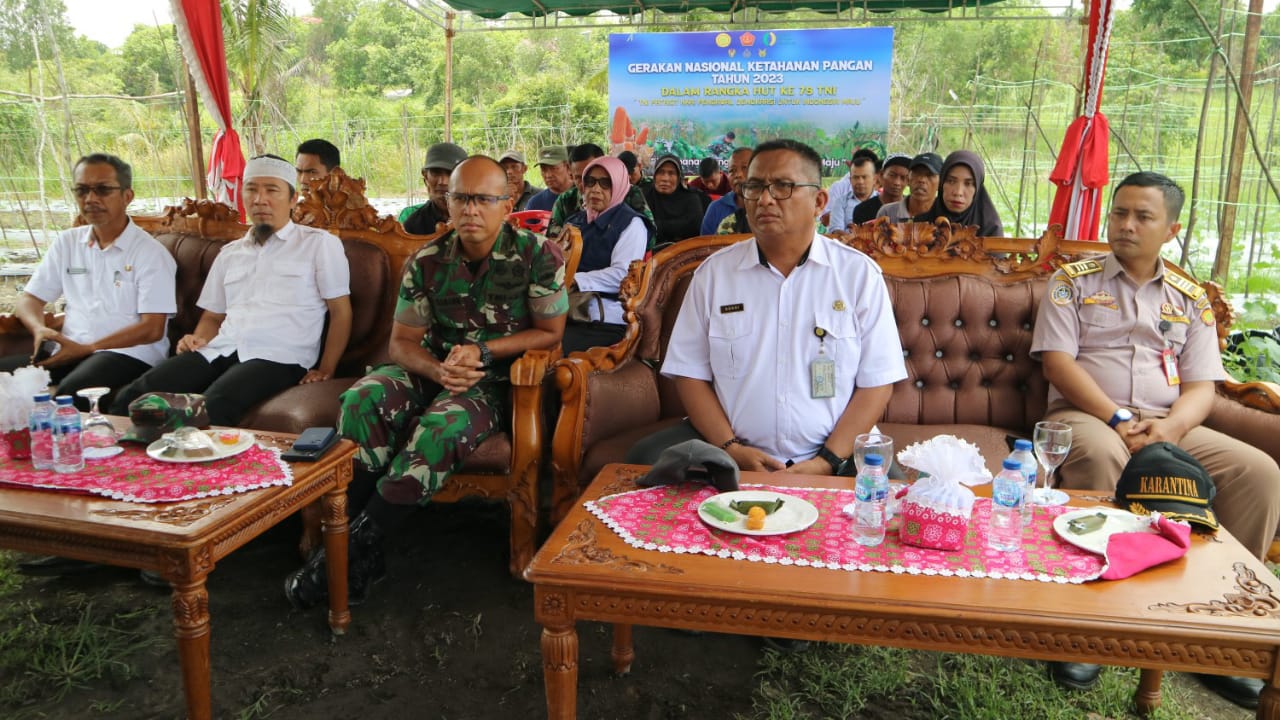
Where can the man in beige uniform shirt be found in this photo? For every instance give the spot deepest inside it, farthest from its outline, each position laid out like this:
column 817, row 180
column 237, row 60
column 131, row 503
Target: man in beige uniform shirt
column 1131, row 354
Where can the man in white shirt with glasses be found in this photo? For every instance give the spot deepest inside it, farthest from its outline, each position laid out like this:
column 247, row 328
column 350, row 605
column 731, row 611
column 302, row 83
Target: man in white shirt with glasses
column 118, row 283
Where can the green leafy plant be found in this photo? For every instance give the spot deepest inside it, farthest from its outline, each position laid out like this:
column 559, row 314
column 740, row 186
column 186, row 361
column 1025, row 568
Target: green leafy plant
column 1255, row 358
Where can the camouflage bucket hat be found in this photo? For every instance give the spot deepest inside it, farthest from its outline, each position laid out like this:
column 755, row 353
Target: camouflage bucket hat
column 155, row 414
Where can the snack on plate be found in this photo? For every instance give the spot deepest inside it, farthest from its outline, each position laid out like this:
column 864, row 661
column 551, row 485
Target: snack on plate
column 768, row 506
column 229, row 436
column 191, row 442
column 755, row 518
column 720, row 513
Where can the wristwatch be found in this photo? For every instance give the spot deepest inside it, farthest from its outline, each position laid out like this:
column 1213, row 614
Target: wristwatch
column 836, row 462
column 486, row 357
column 1121, row 415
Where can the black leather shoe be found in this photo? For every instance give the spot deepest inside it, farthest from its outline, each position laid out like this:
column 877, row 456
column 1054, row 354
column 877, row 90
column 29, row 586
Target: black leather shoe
column 54, row 566
column 366, row 564
column 1239, row 690
column 153, row 579
column 308, row 586
column 1076, row 676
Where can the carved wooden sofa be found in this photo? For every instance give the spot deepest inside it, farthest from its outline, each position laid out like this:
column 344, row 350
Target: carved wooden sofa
column 964, row 307
column 505, row 467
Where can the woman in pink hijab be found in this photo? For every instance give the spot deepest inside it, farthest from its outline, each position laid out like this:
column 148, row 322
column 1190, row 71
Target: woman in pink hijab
column 613, row 235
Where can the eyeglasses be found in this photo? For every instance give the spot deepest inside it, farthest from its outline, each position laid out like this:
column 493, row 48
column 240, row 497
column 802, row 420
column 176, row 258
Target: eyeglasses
column 778, row 189
column 604, row 182
column 83, row 191
column 481, row 201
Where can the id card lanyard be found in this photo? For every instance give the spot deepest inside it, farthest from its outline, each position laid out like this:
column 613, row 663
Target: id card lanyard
column 822, row 370
column 1168, row 358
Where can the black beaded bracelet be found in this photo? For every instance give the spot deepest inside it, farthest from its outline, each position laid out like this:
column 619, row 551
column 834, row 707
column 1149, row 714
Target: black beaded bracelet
column 735, row 440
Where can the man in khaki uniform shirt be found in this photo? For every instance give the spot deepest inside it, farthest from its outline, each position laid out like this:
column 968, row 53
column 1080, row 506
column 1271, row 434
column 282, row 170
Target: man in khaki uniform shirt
column 1102, row 334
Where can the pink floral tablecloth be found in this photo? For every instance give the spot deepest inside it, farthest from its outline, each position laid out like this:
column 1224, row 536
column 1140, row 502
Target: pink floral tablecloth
column 666, row 519
column 135, row 477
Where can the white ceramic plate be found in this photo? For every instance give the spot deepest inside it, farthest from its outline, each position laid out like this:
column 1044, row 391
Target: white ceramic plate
column 795, row 515
column 220, row 450
column 1117, row 521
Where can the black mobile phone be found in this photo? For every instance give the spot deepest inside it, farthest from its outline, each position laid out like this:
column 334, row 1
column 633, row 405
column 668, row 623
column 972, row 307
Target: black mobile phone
column 313, row 438
column 311, row 445
column 45, row 351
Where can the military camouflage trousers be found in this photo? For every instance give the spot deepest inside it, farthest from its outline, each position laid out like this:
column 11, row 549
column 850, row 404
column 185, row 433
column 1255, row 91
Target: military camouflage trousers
column 413, row 434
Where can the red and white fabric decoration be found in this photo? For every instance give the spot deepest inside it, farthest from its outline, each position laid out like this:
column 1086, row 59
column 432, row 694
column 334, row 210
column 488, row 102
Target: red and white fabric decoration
column 199, row 26
column 1081, row 170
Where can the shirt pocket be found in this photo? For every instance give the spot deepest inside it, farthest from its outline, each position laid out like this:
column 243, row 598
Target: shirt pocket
column 730, row 345
column 289, row 283
column 237, row 285
column 125, row 297
column 1099, row 325
column 1176, row 335
column 840, row 340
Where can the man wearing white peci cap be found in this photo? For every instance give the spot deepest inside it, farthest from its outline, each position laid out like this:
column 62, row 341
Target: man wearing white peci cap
column 264, row 303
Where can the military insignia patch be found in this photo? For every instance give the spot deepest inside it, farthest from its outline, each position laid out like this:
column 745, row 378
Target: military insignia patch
column 838, row 305
column 1084, row 267
column 1183, row 285
column 1206, row 316
column 1103, row 298
column 1062, row 294
column 1172, row 313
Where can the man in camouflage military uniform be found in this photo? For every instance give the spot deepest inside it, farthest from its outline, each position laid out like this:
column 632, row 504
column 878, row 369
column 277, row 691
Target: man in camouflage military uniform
column 469, row 304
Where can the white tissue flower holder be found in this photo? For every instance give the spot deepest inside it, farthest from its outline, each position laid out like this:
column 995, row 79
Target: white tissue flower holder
column 937, row 508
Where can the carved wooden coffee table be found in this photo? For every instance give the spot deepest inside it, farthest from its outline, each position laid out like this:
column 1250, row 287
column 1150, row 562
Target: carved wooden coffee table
column 183, row 541
column 1214, row 611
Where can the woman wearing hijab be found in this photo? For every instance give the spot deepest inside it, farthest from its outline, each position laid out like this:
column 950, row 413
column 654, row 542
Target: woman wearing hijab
column 962, row 195
column 677, row 210
column 613, row 235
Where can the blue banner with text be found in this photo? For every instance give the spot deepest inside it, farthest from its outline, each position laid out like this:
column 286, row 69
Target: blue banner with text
column 703, row 94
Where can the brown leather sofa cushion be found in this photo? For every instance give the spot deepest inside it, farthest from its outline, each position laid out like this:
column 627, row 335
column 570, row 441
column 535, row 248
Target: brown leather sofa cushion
column 966, row 341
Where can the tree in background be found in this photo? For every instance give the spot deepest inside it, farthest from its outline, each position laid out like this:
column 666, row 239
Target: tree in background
column 261, row 54
column 150, row 61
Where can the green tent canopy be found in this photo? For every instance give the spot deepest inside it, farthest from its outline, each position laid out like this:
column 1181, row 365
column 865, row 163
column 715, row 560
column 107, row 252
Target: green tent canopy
column 493, row 9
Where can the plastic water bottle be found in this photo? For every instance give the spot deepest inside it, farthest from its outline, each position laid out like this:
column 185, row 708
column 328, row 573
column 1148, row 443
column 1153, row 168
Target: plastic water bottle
column 871, row 493
column 40, row 423
column 68, row 450
column 1007, row 495
column 1026, row 458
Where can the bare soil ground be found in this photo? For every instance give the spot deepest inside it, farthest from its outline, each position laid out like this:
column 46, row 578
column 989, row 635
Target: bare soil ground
column 449, row 635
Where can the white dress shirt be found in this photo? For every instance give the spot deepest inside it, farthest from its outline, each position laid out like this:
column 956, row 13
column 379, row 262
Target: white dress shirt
column 273, row 295
column 108, row 290
column 631, row 246
column 749, row 331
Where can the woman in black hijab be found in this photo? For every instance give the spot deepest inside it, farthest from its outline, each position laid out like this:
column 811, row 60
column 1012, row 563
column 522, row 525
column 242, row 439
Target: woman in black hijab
column 677, row 210
column 962, row 195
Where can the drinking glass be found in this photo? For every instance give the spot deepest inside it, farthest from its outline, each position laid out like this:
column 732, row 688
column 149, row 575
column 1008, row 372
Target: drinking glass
column 1052, row 441
column 868, row 443
column 98, row 434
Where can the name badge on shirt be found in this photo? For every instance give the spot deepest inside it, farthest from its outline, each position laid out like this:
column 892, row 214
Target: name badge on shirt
column 1170, row 362
column 77, row 271
column 822, row 370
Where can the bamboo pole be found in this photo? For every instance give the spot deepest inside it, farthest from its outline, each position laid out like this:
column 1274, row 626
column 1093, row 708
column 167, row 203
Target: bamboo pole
column 1026, row 134
column 449, row 32
column 1198, row 157
column 1239, row 137
column 195, row 144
